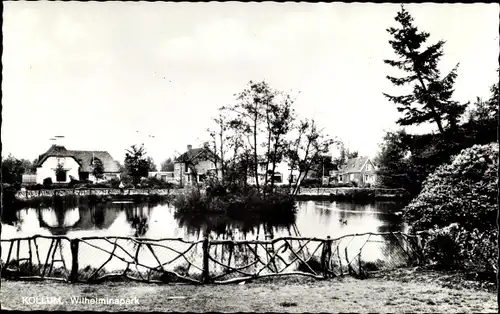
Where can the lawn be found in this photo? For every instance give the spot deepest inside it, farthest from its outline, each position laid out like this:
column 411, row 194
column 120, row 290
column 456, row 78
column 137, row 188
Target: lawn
column 409, row 290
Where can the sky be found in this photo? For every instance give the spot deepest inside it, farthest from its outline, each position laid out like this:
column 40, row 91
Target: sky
column 106, row 75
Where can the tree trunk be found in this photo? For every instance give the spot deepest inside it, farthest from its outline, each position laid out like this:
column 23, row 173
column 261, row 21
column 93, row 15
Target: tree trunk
column 256, row 163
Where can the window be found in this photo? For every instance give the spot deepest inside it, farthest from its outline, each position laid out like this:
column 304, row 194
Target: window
column 278, row 178
column 201, row 177
column 367, row 178
column 368, row 167
column 61, row 176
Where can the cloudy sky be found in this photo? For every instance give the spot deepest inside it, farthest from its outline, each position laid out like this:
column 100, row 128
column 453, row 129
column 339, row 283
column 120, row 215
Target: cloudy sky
column 107, row 75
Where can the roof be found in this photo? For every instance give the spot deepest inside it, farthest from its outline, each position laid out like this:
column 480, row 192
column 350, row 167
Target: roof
column 194, row 153
column 83, row 157
column 354, row 164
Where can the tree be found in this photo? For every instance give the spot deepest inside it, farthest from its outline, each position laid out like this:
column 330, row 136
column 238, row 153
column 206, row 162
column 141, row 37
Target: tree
column 167, row 165
column 13, row 169
column 307, row 149
column 395, row 165
column 151, row 164
column 250, row 113
column 431, row 96
column 136, row 163
column 97, row 168
column 220, row 138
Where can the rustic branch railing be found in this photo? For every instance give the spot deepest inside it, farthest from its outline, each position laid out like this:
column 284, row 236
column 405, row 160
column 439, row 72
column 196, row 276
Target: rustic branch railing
column 94, row 259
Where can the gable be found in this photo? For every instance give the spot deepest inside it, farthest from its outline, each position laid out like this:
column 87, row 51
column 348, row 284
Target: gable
column 365, row 166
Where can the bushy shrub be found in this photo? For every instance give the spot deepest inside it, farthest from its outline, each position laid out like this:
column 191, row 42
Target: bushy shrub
column 441, row 248
column 114, row 183
column 47, row 182
column 155, row 183
column 463, row 192
column 313, row 264
column 35, row 187
column 311, row 183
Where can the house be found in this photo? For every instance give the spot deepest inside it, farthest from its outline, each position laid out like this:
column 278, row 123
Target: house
column 361, row 170
column 75, row 164
column 282, row 174
column 195, row 165
column 167, row 176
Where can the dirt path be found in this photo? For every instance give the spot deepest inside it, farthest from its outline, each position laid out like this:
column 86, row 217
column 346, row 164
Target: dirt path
column 405, row 292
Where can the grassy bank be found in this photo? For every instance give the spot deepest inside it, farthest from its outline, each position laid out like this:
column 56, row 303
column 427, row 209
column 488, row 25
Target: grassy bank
column 398, row 291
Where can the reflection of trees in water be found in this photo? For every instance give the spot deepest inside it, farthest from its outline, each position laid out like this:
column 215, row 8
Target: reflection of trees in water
column 138, row 217
column 223, row 227
column 10, row 216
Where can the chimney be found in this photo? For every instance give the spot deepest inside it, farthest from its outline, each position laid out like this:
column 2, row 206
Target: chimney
column 205, row 144
column 59, row 140
column 190, row 147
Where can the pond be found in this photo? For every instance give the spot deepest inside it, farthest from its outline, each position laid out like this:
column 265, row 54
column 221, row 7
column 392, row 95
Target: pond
column 312, row 219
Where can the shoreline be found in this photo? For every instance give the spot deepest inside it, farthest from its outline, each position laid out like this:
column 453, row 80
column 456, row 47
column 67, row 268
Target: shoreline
column 305, row 194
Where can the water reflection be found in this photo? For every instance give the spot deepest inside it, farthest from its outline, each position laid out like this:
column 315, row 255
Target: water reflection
column 313, row 219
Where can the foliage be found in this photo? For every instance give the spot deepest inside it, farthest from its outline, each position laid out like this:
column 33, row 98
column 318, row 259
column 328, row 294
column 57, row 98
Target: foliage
column 395, row 165
column 307, row 149
column 47, row 182
column 463, row 192
column 151, row 164
column 430, row 99
column 258, row 133
column 13, row 169
column 194, row 207
column 60, row 173
column 261, row 118
column 97, row 168
column 155, row 183
column 136, row 163
column 167, row 165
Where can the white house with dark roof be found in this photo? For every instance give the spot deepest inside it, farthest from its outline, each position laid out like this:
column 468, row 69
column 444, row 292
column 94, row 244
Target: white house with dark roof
column 77, row 164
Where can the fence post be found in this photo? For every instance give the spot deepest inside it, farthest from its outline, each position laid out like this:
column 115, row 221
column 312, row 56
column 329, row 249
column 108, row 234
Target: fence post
column 74, row 243
column 325, row 255
column 206, row 251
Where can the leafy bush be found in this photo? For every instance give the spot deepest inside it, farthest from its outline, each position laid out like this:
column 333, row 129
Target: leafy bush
column 463, row 192
column 313, row 263
column 114, row 183
column 37, row 186
column 155, row 183
column 47, row 182
column 311, row 183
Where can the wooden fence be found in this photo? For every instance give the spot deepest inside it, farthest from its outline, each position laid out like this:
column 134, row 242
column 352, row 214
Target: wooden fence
column 94, row 259
column 32, row 194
